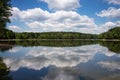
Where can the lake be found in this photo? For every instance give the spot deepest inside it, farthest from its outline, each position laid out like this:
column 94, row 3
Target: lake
column 59, row 60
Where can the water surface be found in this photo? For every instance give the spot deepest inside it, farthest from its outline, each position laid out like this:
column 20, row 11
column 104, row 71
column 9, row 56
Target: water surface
column 61, row 60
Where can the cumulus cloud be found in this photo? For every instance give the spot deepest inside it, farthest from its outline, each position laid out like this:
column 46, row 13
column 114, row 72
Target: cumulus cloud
column 108, row 25
column 115, row 2
column 111, row 24
column 110, row 13
column 30, row 14
column 56, row 21
column 14, row 28
column 38, row 20
column 37, row 14
column 62, row 4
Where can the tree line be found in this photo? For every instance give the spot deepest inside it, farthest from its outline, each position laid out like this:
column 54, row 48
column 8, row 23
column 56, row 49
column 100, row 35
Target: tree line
column 8, row 34
column 54, row 35
column 113, row 33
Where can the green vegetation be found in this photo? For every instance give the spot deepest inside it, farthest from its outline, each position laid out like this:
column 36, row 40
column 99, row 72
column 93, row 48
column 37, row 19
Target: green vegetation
column 111, row 34
column 5, row 13
column 54, row 35
column 6, row 34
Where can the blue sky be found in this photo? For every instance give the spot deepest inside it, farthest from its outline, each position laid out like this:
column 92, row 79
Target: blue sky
column 86, row 16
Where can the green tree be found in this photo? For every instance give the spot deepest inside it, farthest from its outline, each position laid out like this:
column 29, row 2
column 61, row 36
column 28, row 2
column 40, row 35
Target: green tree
column 5, row 12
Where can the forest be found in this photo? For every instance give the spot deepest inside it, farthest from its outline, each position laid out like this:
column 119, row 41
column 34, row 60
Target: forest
column 111, row 34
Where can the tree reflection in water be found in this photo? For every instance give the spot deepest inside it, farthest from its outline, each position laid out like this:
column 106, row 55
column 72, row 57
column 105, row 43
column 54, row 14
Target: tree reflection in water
column 113, row 46
column 4, row 71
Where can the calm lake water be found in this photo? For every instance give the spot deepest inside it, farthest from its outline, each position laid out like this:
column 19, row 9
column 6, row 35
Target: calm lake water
column 60, row 60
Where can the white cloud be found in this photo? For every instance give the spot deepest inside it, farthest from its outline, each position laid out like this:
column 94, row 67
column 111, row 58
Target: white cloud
column 41, row 20
column 106, row 26
column 14, row 28
column 38, row 20
column 112, row 24
column 30, row 14
column 115, row 2
column 76, row 27
column 62, row 4
column 110, row 13
column 109, row 25
column 15, row 12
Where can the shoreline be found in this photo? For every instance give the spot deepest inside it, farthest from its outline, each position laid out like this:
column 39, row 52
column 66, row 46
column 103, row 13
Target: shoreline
column 60, row 39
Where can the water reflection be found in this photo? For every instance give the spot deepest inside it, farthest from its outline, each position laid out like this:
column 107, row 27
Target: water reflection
column 4, row 71
column 67, row 73
column 88, row 61
column 39, row 57
column 111, row 45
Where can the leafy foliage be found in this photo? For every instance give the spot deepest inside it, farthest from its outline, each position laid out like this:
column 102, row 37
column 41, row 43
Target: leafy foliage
column 54, row 35
column 5, row 12
column 111, row 34
column 6, row 34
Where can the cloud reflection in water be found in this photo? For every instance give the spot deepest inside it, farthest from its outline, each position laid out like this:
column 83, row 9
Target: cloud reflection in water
column 69, row 62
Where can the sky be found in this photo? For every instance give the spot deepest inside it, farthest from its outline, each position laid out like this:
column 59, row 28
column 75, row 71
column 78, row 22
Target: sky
column 84, row 16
